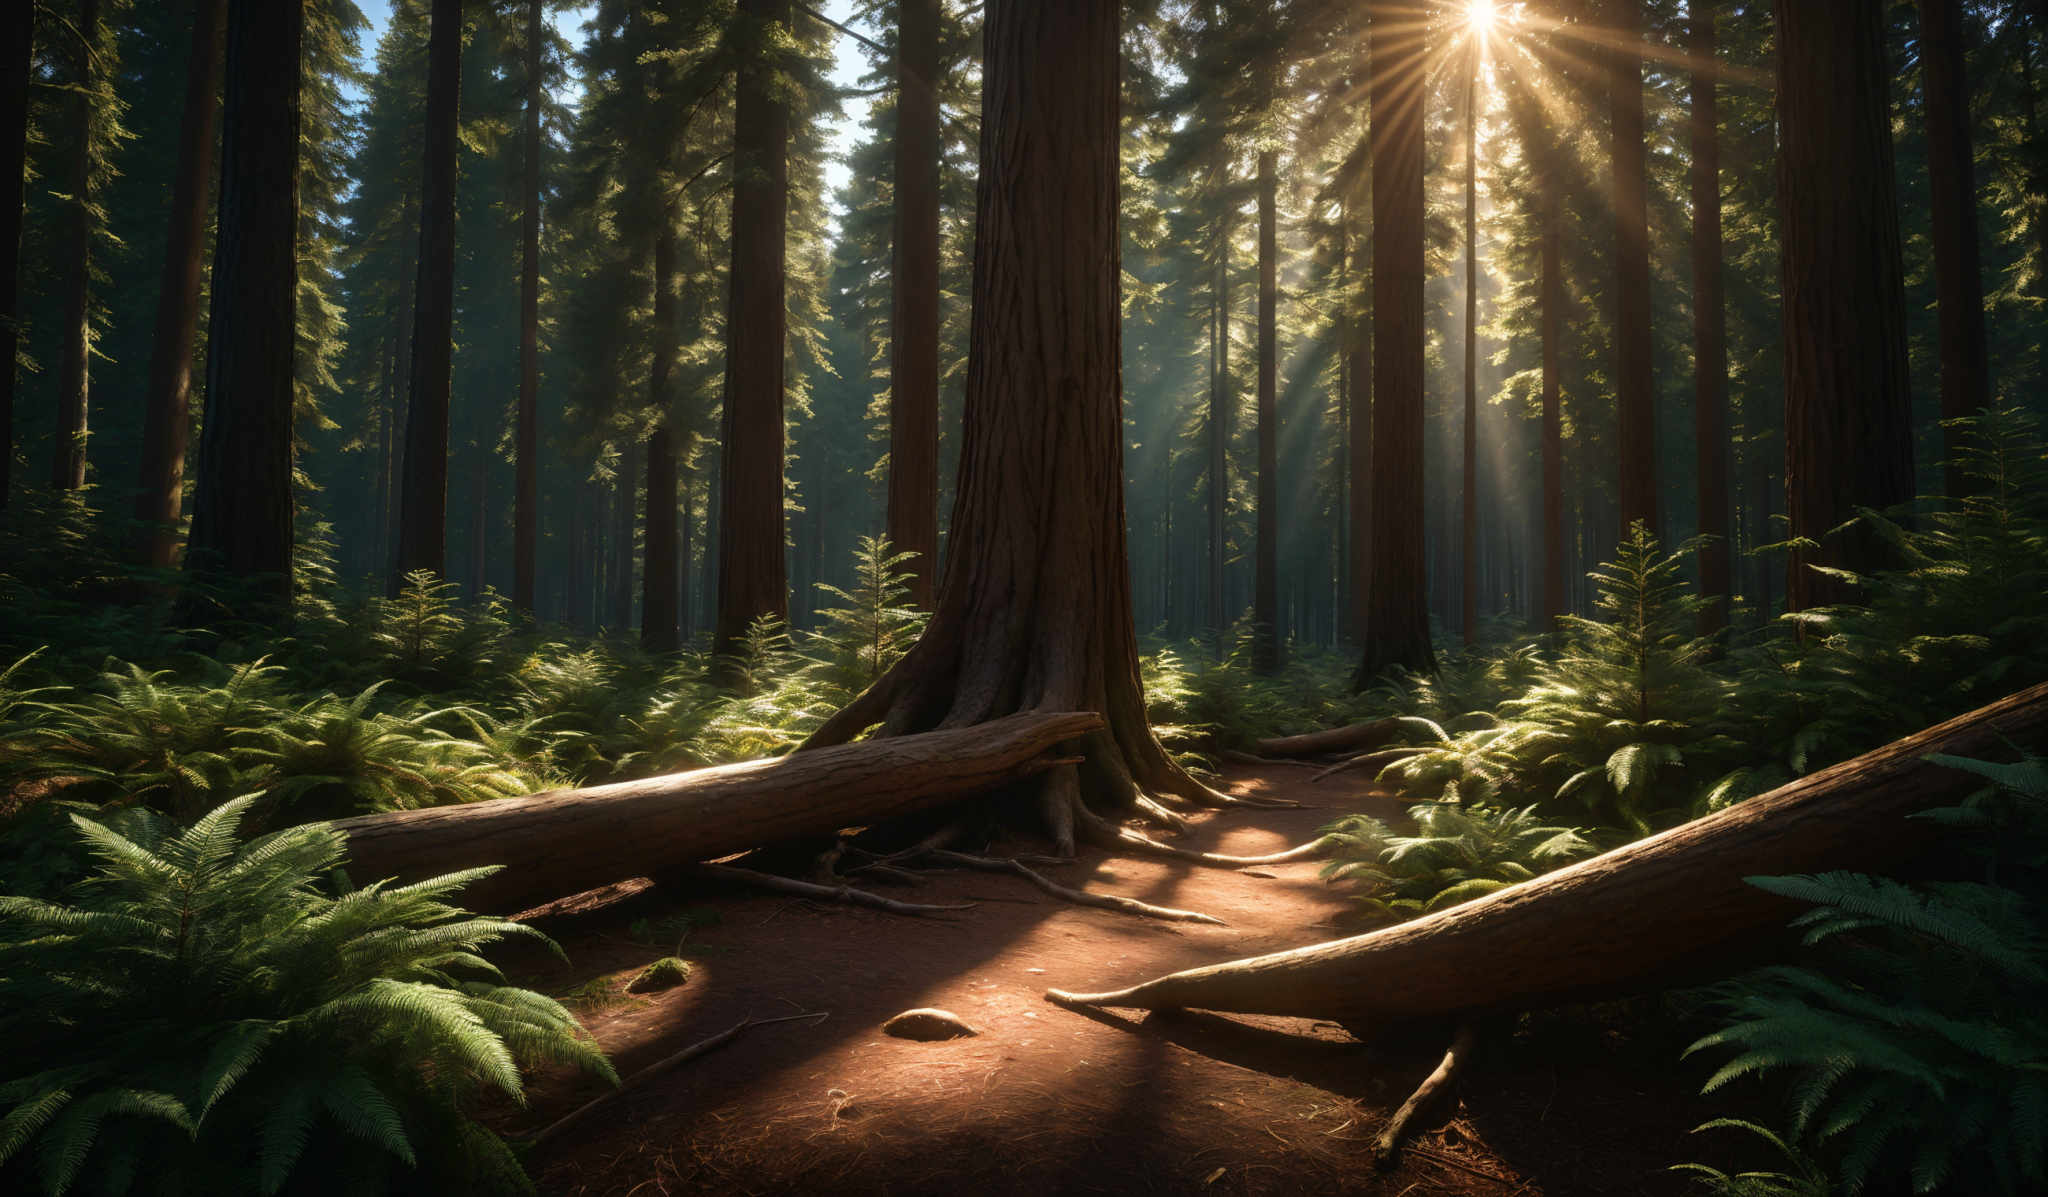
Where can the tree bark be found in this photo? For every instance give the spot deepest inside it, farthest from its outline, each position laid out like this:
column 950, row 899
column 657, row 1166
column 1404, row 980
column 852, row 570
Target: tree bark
column 526, row 479
column 1551, row 296
column 752, row 572
column 1468, row 506
column 1266, row 552
column 423, row 503
column 659, row 606
column 242, row 499
column 74, row 364
column 1358, row 447
column 566, row 841
column 1848, row 402
column 167, row 406
column 1222, row 418
column 1958, row 276
column 1371, row 734
column 1397, row 601
column 15, row 68
column 914, row 283
column 1635, row 397
column 1709, row 328
column 1625, row 919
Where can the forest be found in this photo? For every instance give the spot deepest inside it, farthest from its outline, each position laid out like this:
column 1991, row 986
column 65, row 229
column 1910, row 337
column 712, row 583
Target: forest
column 610, row 597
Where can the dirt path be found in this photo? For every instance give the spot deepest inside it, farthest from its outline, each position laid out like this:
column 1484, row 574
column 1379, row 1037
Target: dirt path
column 1045, row 1100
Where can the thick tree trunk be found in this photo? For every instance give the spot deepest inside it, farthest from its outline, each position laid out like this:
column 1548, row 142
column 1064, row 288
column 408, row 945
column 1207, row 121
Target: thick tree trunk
column 242, row 500
column 1958, row 277
column 1635, row 397
column 659, row 606
column 914, row 285
column 1709, row 327
column 1625, row 919
column 1397, row 602
column 74, row 364
column 167, row 406
column 15, row 67
column 752, row 572
column 1848, row 402
column 566, row 841
column 423, row 503
column 526, row 480
column 1266, row 552
column 1468, row 505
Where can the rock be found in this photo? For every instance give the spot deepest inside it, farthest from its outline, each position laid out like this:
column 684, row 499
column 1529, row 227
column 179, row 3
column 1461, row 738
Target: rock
column 665, row 973
column 927, row 1025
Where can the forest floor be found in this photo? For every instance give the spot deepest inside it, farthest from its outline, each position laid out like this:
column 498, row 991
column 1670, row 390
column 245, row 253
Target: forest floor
column 1047, row 1100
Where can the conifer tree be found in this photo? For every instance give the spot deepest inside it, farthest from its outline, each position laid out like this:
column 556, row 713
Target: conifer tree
column 15, row 69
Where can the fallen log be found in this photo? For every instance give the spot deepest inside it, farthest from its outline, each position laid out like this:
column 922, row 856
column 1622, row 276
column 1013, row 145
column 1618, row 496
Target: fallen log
column 565, row 841
column 1371, row 734
column 1623, row 919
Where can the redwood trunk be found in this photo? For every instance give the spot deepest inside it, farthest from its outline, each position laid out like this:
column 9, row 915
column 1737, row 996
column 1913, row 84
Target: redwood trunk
column 1634, row 396
column 242, row 500
column 15, row 68
column 1551, row 297
column 1709, row 329
column 1358, row 448
column 914, row 282
column 1848, row 406
column 1627, row 918
column 1958, row 277
column 658, row 580
column 74, row 376
column 1222, row 417
column 423, row 504
column 1266, row 552
column 526, row 478
column 1468, row 506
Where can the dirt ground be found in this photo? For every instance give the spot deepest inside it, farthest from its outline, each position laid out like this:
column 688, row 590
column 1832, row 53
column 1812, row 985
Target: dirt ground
column 1046, row 1100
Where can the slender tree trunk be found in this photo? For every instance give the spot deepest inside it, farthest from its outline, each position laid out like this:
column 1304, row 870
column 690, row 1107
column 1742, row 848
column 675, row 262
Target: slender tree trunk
column 242, row 500
column 1550, row 289
column 1266, row 564
column 1397, row 604
column 1358, row 445
column 1221, row 417
column 67, row 460
column 1709, row 327
column 526, row 481
column 387, row 414
column 1848, row 406
column 1634, row 393
column 1958, row 277
column 659, row 608
column 166, row 413
column 621, row 594
column 914, row 283
column 1468, row 547
column 752, row 571
column 15, row 67
column 423, row 506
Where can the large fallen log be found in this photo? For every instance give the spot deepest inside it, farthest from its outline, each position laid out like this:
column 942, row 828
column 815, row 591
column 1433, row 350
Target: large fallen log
column 1374, row 734
column 1621, row 920
column 565, row 841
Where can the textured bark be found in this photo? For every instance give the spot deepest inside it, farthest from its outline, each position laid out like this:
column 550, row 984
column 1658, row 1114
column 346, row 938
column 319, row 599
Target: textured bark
column 1709, row 328
column 1635, row 398
column 752, row 573
column 1848, row 406
column 1626, row 919
column 242, row 500
column 914, row 316
column 1550, row 295
column 1397, row 601
column 660, row 606
column 526, row 437
column 15, row 68
column 423, row 503
column 167, row 405
column 566, row 841
column 1468, row 504
column 1222, row 419
column 1266, row 551
column 74, row 363
column 1358, row 448
column 1958, row 276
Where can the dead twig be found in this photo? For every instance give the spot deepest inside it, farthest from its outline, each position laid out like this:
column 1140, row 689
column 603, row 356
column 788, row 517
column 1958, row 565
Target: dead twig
column 1386, row 1148
column 823, row 893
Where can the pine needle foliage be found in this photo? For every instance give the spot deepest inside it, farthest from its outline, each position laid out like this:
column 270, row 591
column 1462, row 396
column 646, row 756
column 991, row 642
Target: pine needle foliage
column 1456, row 854
column 202, row 1017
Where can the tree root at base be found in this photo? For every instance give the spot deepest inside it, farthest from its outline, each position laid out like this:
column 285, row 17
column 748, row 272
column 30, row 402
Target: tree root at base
column 998, row 864
column 824, row 893
column 1387, row 1147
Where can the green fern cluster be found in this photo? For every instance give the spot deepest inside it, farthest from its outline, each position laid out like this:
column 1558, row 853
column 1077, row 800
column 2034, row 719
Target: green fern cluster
column 203, row 1019
column 1456, row 854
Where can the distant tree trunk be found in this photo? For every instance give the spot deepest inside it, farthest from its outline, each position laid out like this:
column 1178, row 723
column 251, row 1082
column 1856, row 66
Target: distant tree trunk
column 1266, row 563
column 1550, row 289
column 1634, row 394
column 401, row 391
column 67, row 459
column 15, row 69
column 659, row 608
column 242, row 500
column 1397, row 604
column 914, row 283
column 1958, row 278
column 752, row 572
column 167, row 407
column 423, row 505
column 1468, row 546
column 1221, row 418
column 526, row 481
column 1358, row 448
column 621, row 593
column 1848, row 406
column 1709, row 327
column 387, row 415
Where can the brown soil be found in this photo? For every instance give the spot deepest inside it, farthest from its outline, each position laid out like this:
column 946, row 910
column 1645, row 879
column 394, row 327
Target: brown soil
column 1046, row 1100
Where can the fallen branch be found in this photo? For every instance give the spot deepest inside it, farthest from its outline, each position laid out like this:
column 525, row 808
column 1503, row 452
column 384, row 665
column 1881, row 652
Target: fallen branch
column 1365, row 759
column 1388, row 1145
column 1371, row 734
column 844, row 894
column 1235, row 757
column 998, row 864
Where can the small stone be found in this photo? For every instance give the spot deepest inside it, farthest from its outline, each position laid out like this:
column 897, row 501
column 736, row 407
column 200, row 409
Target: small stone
column 927, row 1025
column 665, row 973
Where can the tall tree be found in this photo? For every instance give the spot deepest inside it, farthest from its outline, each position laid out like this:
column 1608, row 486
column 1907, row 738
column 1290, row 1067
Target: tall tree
column 15, row 69
column 752, row 571
column 1848, row 407
column 1709, row 326
column 1634, row 396
column 914, row 290
column 423, row 494
column 526, row 482
column 1222, row 413
column 1468, row 506
column 74, row 365
column 1358, row 406
column 1397, row 603
column 166, row 413
column 1266, row 549
column 659, row 582
column 242, row 501
column 1958, row 277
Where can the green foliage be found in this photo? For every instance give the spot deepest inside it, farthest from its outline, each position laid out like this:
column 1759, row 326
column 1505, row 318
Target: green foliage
column 202, row 1018
column 1456, row 854
column 665, row 973
column 1807, row 1179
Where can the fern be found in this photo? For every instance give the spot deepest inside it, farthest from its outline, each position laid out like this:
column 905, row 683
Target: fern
column 1456, row 854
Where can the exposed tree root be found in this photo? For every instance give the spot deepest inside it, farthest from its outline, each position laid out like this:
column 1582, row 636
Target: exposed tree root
column 1101, row 832
column 1386, row 1148
column 1364, row 760
column 1160, row 815
column 1264, row 762
column 823, row 893
column 998, row 864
